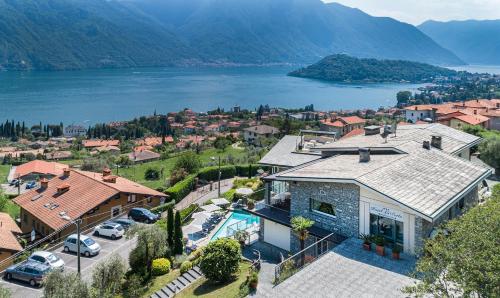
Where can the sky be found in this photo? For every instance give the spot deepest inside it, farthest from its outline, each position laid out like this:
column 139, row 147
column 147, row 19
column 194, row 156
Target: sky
column 417, row 11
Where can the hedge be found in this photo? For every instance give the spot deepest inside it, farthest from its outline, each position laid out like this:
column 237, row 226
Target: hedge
column 181, row 189
column 187, row 212
column 163, row 207
column 212, row 173
column 242, row 170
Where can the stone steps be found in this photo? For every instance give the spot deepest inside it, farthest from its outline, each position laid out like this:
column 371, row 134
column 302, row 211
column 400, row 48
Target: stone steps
column 179, row 284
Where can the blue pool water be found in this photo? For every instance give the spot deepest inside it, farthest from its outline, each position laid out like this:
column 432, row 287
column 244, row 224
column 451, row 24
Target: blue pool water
column 239, row 220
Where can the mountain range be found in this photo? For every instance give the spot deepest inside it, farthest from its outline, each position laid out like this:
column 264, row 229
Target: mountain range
column 74, row 34
column 475, row 42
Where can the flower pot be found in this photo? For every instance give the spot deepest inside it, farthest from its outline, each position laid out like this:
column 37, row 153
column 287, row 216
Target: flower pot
column 367, row 246
column 380, row 250
column 253, row 285
column 395, row 255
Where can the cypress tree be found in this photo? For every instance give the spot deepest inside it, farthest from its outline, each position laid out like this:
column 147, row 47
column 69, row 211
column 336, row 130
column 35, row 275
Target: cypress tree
column 177, row 234
column 170, row 227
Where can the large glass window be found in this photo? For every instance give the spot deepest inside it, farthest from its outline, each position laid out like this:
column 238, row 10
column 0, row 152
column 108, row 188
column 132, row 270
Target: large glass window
column 322, row 207
column 391, row 229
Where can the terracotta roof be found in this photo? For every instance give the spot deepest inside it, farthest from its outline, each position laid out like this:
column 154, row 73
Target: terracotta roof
column 354, row 132
column 40, row 167
column 352, row 119
column 420, row 108
column 336, row 123
column 472, row 119
column 86, row 191
column 100, row 143
column 7, row 229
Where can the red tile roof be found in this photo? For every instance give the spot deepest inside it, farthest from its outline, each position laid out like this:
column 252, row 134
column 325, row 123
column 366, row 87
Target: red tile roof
column 39, row 167
column 7, row 229
column 352, row 119
column 354, row 132
column 472, row 119
column 100, row 143
column 86, row 191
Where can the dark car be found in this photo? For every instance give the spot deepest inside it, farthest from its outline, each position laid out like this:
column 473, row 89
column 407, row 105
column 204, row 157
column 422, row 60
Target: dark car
column 30, row 185
column 126, row 223
column 28, row 271
column 142, row 215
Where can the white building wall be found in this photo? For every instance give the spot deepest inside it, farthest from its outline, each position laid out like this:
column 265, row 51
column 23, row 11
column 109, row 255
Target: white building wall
column 276, row 234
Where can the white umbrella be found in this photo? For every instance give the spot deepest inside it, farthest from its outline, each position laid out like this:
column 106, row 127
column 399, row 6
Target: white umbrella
column 202, row 215
column 220, row 202
column 244, row 191
column 210, row 208
column 192, row 229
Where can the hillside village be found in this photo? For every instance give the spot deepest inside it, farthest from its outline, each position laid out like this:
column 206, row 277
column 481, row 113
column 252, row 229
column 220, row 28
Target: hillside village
column 341, row 170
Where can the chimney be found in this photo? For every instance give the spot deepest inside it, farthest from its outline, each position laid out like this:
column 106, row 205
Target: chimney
column 109, row 178
column 416, row 108
column 475, row 112
column 106, row 172
column 427, row 145
column 364, row 154
column 62, row 188
column 436, row 142
column 44, row 183
column 66, row 172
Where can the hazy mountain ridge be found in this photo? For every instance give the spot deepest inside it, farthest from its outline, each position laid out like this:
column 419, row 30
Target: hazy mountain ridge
column 71, row 34
column 476, row 42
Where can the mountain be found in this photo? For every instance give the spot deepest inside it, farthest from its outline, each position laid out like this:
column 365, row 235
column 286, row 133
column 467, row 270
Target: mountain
column 343, row 68
column 475, row 42
column 72, row 34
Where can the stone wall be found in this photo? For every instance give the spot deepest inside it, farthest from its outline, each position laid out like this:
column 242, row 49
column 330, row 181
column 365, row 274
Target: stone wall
column 423, row 227
column 343, row 196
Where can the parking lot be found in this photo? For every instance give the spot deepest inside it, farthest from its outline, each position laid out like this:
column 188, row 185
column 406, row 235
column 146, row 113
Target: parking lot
column 121, row 246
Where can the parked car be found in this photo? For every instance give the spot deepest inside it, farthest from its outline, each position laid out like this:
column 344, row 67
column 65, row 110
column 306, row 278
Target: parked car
column 47, row 258
column 28, row 271
column 13, row 182
column 108, row 229
column 126, row 223
column 88, row 246
column 142, row 215
column 30, row 185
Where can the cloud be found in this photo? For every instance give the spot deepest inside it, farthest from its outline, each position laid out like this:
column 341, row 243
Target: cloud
column 418, row 11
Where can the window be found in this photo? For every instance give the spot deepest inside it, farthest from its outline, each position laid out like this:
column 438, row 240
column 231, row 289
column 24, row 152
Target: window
column 391, row 230
column 322, row 207
column 131, row 198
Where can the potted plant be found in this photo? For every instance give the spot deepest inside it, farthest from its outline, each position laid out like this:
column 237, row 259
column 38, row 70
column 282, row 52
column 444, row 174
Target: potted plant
column 379, row 242
column 250, row 204
column 396, row 250
column 241, row 236
column 253, row 280
column 367, row 241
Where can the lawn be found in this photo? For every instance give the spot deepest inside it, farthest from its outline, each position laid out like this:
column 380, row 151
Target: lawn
column 12, row 209
column 136, row 172
column 204, row 288
column 4, row 172
column 160, row 281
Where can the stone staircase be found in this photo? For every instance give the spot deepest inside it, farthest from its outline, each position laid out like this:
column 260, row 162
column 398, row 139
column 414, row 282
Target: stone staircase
column 179, row 284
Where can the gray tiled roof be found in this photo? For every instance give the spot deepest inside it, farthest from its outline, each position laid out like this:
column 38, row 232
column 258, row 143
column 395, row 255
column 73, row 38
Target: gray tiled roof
column 423, row 180
column 282, row 154
column 262, row 129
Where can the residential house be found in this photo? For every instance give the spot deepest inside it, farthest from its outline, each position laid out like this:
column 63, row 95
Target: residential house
column 37, row 169
column 74, row 131
column 58, row 155
column 8, row 244
column 459, row 121
column 91, row 197
column 108, row 148
column 189, row 129
column 140, row 156
column 253, row 133
column 419, row 112
column 401, row 187
column 342, row 125
column 89, row 144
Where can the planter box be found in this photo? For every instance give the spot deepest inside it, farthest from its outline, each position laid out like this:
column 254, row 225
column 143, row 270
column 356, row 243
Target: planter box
column 380, row 250
column 367, row 247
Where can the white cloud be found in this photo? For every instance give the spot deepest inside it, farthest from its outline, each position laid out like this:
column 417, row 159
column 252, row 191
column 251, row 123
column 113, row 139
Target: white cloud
column 418, row 11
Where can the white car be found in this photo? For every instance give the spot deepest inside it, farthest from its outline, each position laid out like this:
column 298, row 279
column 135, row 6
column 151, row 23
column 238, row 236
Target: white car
column 47, row 258
column 109, row 229
column 88, row 246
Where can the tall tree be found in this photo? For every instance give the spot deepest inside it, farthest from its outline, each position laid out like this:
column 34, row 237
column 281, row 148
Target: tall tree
column 170, row 227
column 178, row 247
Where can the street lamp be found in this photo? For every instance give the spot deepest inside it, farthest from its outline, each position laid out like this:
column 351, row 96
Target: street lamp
column 218, row 188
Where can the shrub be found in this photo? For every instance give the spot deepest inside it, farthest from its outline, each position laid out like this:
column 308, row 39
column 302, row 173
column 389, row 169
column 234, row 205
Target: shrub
column 178, row 260
column 195, row 256
column 186, row 266
column 178, row 175
column 188, row 161
column 212, row 173
column 221, row 259
column 186, row 212
column 160, row 266
column 229, row 195
column 152, row 174
column 163, row 207
column 182, row 188
column 133, row 287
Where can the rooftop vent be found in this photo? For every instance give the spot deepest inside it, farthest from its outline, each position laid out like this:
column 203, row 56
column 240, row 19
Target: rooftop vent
column 364, row 154
column 436, row 142
column 62, row 188
column 372, row 130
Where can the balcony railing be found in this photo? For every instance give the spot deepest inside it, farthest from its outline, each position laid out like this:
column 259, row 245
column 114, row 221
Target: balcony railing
column 272, row 213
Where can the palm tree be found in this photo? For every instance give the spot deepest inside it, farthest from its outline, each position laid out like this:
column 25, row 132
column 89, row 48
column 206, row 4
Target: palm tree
column 299, row 227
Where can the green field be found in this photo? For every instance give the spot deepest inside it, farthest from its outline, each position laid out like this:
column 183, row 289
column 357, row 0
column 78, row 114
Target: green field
column 4, row 172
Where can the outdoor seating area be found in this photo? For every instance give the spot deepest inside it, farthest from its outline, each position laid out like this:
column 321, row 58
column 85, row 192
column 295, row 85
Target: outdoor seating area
column 203, row 223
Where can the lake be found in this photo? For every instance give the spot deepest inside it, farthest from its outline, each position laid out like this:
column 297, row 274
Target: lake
column 90, row 96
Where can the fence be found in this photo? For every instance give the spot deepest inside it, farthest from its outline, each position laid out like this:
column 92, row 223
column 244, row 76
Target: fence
column 302, row 259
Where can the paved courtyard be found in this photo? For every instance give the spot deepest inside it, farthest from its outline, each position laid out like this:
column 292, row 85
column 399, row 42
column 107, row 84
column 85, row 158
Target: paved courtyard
column 346, row 271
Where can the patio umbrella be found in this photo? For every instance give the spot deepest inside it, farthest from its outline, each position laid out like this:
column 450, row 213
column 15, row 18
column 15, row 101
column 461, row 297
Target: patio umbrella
column 244, row 191
column 220, row 202
column 210, row 208
column 204, row 215
column 192, row 229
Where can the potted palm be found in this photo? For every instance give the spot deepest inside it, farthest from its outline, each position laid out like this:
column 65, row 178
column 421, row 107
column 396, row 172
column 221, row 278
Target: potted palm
column 241, row 236
column 250, row 204
column 395, row 252
column 367, row 241
column 299, row 227
column 379, row 242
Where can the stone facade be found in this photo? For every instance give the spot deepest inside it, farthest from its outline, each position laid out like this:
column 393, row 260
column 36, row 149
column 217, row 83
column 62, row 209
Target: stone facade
column 343, row 196
column 423, row 227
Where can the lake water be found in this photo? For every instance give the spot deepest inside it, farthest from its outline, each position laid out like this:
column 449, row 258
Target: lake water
column 90, row 96
column 493, row 69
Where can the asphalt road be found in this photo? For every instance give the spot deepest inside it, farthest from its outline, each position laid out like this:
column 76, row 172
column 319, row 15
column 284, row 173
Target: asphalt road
column 121, row 247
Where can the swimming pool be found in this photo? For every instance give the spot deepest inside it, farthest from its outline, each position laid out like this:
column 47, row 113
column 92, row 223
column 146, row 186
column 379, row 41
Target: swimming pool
column 237, row 221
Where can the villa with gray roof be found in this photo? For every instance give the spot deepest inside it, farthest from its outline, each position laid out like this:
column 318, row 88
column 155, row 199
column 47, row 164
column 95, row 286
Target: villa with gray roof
column 400, row 184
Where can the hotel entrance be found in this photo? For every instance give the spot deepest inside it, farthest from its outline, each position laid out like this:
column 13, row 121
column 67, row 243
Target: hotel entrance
column 392, row 230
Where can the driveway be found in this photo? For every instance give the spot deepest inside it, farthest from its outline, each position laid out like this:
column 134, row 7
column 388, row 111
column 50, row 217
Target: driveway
column 121, row 246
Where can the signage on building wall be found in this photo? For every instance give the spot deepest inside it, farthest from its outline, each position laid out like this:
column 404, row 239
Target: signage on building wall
column 386, row 212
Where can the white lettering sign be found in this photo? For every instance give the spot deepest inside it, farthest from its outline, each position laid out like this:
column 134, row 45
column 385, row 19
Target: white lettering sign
column 386, row 212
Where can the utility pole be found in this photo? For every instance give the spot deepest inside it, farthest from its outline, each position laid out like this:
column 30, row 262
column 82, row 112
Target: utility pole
column 218, row 189
column 78, row 222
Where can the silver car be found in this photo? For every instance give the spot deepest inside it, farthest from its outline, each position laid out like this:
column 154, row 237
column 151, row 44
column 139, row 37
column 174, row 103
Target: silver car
column 47, row 258
column 88, row 246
